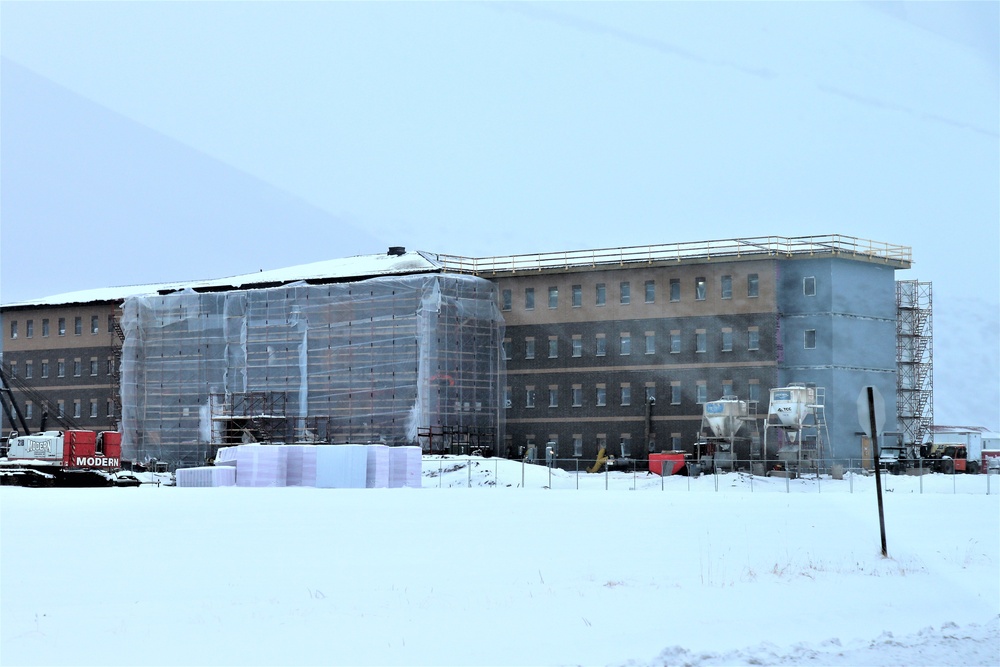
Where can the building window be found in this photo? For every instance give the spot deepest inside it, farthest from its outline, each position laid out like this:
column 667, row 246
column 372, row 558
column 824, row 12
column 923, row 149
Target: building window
column 702, row 393
column 61, row 368
column 552, row 446
column 625, row 344
column 727, row 387
column 553, row 347
column 553, row 396
column 62, row 326
column 29, row 329
column 29, row 370
column 507, row 348
column 77, row 368
column 753, row 285
column 94, row 326
column 553, row 297
column 602, row 345
column 508, row 398
column 753, row 338
column 650, row 339
column 577, row 395
column 76, row 409
column 77, row 326
column 45, row 327
column 529, row 298
column 675, row 393
column 577, row 444
column 111, row 409
column 29, row 410
column 650, row 393
column 110, row 366
column 727, row 287
column 602, row 395
column 529, row 348
column 626, row 393
column 754, row 388
column 61, row 408
column 727, row 340
column 675, row 441
column 602, row 294
column 809, row 340
column 13, row 369
column 602, row 443
column 626, row 293
column 626, row 445
column 577, row 346
column 809, row 286
column 577, row 296
column 506, row 297
column 93, row 408
column 700, row 340
column 675, row 342
column 45, row 369
column 700, row 289
column 13, row 329
column 529, row 397
column 675, row 289
column 650, row 291
column 93, row 366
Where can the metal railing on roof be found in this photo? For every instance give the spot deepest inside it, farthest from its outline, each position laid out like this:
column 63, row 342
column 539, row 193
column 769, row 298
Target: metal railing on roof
column 766, row 246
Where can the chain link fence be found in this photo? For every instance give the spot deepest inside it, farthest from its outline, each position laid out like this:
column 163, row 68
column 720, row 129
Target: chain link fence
column 745, row 476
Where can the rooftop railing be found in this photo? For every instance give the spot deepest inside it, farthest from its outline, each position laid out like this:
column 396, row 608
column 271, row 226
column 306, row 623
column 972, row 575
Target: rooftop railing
column 766, row 246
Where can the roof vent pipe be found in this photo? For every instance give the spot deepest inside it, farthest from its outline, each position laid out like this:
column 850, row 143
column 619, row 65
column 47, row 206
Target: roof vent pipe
column 396, row 250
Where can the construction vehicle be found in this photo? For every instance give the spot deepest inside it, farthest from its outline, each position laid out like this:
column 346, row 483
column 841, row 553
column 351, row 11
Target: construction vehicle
column 73, row 457
column 949, row 458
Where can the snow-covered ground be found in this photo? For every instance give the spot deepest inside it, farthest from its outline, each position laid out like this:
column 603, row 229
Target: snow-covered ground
column 627, row 570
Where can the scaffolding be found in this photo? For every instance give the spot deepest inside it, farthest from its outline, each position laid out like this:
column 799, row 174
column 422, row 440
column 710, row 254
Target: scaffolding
column 380, row 360
column 914, row 361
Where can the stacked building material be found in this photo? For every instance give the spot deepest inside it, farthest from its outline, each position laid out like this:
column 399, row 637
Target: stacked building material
column 301, row 465
column 341, row 466
column 405, row 467
column 206, row 476
column 261, row 465
column 378, row 467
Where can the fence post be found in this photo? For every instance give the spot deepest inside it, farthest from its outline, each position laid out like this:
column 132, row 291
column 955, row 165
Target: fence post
column 469, row 463
column 577, row 474
column 550, row 475
column 440, row 471
column 522, row 473
column 606, row 476
column 788, row 484
column 921, row 477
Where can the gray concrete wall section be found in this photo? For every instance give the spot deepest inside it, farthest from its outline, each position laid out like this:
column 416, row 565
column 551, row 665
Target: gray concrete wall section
column 837, row 331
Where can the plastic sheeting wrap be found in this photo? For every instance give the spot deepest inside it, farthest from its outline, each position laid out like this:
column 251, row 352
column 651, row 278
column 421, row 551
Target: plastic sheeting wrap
column 389, row 360
column 261, row 465
column 206, row 476
column 341, row 466
column 378, row 467
column 301, row 465
column 405, row 467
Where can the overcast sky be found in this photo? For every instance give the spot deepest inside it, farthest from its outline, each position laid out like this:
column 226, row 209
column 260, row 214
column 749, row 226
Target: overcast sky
column 146, row 142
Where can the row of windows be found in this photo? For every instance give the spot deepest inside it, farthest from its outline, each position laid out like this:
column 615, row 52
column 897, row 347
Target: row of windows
column 551, row 449
column 726, row 337
column 625, row 292
column 44, row 368
column 600, row 394
column 649, row 292
column 29, row 409
column 29, row 326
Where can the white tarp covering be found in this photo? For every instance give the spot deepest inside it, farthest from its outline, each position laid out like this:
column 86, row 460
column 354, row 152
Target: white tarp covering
column 378, row 467
column 261, row 465
column 390, row 359
column 405, row 467
column 206, row 476
column 341, row 466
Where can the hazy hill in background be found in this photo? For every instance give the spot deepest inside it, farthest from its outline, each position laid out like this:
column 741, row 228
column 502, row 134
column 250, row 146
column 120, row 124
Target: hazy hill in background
column 127, row 187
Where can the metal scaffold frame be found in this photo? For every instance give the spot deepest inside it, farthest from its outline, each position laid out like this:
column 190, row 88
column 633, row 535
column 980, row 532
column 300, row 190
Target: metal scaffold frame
column 914, row 360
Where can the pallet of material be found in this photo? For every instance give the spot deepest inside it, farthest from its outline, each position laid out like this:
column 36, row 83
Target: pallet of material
column 205, row 476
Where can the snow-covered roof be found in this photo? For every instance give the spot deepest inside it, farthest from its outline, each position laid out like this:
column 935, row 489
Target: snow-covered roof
column 345, row 268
